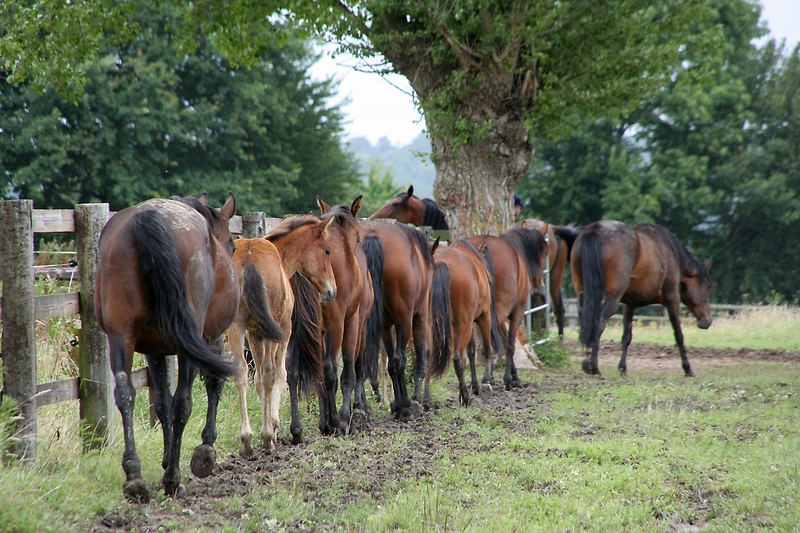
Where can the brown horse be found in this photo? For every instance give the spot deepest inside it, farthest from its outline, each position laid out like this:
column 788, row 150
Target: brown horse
column 646, row 264
column 559, row 241
column 298, row 244
column 408, row 209
column 518, row 260
column 166, row 285
column 468, row 276
column 401, row 265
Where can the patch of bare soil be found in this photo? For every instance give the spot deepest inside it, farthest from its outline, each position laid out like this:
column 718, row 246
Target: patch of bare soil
column 375, row 467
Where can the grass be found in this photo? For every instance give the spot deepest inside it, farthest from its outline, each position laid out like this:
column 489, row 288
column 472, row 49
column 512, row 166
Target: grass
column 649, row 452
column 768, row 328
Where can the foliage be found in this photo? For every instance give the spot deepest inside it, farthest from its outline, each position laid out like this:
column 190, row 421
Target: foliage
column 153, row 123
column 553, row 353
column 379, row 187
column 716, row 162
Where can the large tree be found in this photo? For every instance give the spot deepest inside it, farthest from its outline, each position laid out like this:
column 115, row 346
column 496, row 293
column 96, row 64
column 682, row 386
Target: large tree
column 151, row 122
column 487, row 73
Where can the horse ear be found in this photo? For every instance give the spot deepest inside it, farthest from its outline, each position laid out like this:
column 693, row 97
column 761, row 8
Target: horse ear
column 707, row 264
column 410, row 191
column 543, row 229
column 323, row 207
column 229, row 208
column 356, row 205
column 325, row 223
column 203, row 198
column 435, row 245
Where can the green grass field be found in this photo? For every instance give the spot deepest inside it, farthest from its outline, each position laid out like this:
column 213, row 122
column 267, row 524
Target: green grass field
column 653, row 452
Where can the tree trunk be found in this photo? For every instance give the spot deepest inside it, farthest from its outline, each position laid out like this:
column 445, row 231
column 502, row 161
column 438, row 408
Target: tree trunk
column 475, row 182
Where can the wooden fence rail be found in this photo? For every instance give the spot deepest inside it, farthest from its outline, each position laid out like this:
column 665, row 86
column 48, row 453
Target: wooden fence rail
column 94, row 386
column 571, row 311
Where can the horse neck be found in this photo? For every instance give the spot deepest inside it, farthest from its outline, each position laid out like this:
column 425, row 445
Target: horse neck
column 291, row 247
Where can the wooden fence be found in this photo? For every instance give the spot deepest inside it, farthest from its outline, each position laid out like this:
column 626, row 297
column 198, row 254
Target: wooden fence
column 94, row 386
column 657, row 312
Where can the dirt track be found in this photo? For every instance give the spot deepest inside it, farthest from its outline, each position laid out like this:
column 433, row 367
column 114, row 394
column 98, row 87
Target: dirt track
column 200, row 507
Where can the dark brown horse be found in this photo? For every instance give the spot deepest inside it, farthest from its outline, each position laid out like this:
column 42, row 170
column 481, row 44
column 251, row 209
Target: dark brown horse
column 401, row 265
column 559, row 241
column 166, row 285
column 518, row 260
column 343, row 322
column 408, row 209
column 612, row 263
column 468, row 277
column 299, row 244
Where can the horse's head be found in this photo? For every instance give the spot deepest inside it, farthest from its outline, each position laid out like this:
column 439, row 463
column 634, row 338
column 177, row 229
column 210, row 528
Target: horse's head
column 345, row 216
column 695, row 288
column 316, row 262
column 404, row 207
column 217, row 219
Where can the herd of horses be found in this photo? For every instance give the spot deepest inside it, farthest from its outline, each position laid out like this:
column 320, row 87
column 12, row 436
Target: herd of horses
column 172, row 280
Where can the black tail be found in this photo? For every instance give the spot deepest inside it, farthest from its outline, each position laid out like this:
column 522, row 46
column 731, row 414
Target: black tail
column 594, row 285
column 441, row 329
column 498, row 342
column 256, row 299
column 568, row 234
column 531, row 247
column 305, row 351
column 161, row 267
column 373, row 249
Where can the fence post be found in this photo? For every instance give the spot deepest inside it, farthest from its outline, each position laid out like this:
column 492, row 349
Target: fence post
column 19, row 326
column 96, row 391
column 253, row 225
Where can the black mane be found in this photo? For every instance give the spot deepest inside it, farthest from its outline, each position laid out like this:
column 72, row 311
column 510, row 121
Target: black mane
column 434, row 217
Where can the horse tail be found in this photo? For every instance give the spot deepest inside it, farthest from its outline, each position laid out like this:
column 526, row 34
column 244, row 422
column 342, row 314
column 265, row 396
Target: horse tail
column 161, row 267
column 255, row 296
column 441, row 328
column 568, row 234
column 304, row 352
column 373, row 249
column 497, row 334
column 594, row 285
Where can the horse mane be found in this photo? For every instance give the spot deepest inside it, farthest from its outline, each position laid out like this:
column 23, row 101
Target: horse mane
column 689, row 264
column 421, row 242
column 434, row 217
column 529, row 247
column 289, row 225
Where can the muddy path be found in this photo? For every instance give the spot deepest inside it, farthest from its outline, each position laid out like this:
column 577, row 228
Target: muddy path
column 312, row 465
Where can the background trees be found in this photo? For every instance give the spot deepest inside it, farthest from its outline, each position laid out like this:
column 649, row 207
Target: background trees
column 153, row 123
column 716, row 162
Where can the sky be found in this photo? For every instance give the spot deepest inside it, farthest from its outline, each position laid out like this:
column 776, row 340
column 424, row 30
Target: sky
column 376, row 106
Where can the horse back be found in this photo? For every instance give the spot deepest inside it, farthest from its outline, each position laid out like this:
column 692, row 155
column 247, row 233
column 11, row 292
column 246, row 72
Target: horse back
column 656, row 272
column 615, row 248
column 512, row 284
column 265, row 256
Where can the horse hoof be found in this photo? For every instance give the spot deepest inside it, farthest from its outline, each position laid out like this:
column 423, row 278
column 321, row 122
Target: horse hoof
column 203, row 459
column 486, row 389
column 516, row 383
column 297, row 437
column 136, row 491
column 359, row 420
column 247, row 450
column 689, row 374
column 586, row 365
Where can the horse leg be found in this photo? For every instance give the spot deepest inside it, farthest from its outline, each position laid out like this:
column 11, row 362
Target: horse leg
column 331, row 380
column 473, row 373
column 673, row 309
column 279, row 356
column 558, row 306
column 236, row 341
column 349, row 343
column 265, row 380
column 511, row 379
column 401, row 406
column 181, row 410
column 159, row 383
column 204, row 456
column 421, row 348
column 124, row 395
column 627, row 335
column 296, row 425
column 459, row 364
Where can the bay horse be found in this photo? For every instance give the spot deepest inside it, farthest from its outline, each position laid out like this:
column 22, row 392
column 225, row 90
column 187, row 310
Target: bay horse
column 401, row 265
column 612, row 263
column 264, row 266
column 166, row 285
column 559, row 241
column 341, row 324
column 518, row 260
column 468, row 278
column 408, row 209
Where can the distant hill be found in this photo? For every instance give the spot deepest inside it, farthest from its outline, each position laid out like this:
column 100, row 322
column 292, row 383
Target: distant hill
column 407, row 164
